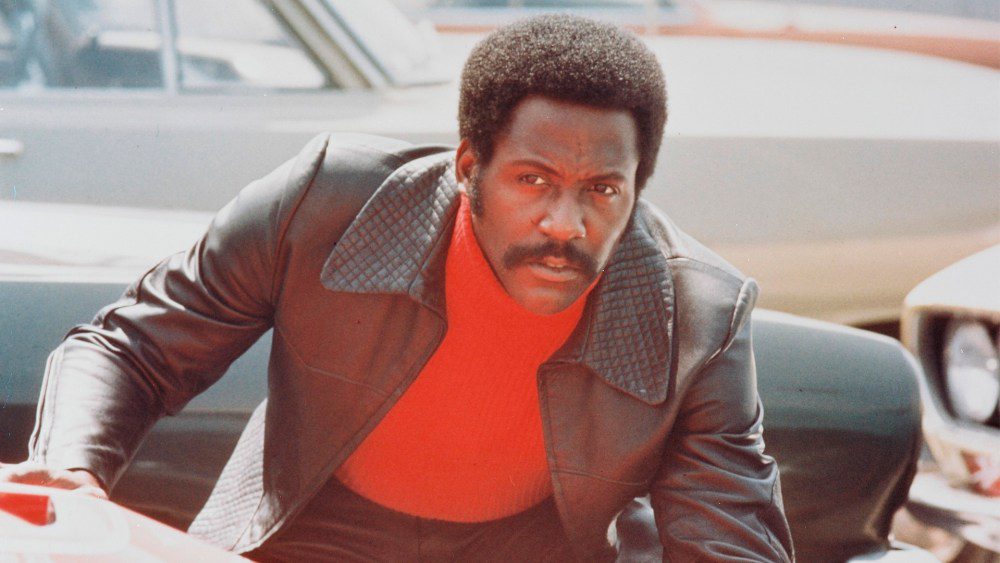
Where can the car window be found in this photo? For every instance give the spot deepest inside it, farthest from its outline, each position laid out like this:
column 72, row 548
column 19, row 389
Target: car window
column 227, row 43
column 117, row 44
column 79, row 43
column 404, row 52
column 10, row 73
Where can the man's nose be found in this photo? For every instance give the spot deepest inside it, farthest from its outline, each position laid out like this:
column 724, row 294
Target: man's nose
column 563, row 219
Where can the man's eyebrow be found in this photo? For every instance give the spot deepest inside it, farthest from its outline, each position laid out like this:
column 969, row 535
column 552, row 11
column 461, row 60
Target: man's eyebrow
column 535, row 164
column 545, row 167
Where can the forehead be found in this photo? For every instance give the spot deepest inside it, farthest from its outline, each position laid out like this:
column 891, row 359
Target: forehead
column 570, row 134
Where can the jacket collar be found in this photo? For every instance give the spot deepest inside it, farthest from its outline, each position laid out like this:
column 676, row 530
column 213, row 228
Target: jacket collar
column 398, row 244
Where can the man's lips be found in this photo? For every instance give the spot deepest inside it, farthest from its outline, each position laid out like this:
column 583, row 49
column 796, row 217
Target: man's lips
column 552, row 261
column 554, row 269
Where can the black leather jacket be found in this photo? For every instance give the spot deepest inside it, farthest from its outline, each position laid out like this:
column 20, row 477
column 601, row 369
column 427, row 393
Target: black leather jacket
column 653, row 394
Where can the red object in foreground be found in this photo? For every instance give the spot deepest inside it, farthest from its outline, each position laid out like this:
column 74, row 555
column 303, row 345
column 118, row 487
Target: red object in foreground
column 33, row 508
column 985, row 472
column 46, row 524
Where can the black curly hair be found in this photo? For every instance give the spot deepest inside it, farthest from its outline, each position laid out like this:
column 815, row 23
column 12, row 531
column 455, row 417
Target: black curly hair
column 567, row 58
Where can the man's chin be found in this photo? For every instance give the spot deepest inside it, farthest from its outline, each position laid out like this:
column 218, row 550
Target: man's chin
column 547, row 300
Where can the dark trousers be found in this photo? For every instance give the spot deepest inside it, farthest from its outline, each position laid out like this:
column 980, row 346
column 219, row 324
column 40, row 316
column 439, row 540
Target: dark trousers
column 339, row 525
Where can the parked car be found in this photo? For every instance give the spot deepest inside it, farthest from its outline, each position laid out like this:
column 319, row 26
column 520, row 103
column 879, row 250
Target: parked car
column 842, row 407
column 951, row 323
column 838, row 177
column 866, row 23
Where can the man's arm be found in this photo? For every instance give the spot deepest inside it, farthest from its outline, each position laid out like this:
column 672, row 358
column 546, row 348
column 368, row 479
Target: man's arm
column 173, row 333
column 717, row 496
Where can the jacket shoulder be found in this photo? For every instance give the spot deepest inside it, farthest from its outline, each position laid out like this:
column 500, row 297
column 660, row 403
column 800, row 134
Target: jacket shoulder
column 353, row 166
column 334, row 175
column 353, row 159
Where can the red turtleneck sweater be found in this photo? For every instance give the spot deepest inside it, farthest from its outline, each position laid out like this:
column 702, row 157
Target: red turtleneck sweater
column 464, row 443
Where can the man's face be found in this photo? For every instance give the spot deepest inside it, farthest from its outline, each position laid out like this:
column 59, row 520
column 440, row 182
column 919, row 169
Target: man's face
column 553, row 201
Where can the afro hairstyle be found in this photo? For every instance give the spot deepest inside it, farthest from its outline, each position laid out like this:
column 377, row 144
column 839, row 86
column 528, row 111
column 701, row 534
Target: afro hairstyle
column 566, row 58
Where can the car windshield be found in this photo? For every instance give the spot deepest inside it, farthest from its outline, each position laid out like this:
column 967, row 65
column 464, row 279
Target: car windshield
column 405, row 52
column 113, row 44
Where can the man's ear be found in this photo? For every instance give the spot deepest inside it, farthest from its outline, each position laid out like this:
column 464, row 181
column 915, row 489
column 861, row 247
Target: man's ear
column 465, row 165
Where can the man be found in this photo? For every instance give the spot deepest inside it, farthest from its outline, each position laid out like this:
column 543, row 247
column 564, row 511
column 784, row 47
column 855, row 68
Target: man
column 484, row 354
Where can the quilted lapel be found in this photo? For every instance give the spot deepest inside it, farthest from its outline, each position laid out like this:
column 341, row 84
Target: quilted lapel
column 399, row 240
column 398, row 243
column 631, row 329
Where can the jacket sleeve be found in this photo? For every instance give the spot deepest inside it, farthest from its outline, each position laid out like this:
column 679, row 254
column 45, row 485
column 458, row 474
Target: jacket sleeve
column 717, row 496
column 172, row 334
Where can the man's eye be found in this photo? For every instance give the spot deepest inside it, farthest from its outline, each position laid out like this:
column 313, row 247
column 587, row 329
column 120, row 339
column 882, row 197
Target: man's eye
column 605, row 189
column 533, row 179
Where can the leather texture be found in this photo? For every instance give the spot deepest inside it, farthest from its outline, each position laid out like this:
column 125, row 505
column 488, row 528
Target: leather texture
column 341, row 250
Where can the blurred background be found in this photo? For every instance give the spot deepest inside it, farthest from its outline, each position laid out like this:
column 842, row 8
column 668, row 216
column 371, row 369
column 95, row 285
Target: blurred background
column 839, row 151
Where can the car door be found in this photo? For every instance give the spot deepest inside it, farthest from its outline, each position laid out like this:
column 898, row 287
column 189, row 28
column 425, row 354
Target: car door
column 172, row 103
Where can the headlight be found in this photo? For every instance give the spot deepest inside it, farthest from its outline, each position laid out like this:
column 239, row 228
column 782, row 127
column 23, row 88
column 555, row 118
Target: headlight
column 972, row 370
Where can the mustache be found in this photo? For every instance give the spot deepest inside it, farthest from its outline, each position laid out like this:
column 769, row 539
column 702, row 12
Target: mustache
column 576, row 258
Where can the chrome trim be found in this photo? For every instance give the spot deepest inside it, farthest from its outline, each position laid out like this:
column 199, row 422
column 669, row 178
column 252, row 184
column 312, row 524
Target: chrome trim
column 324, row 16
column 168, row 40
